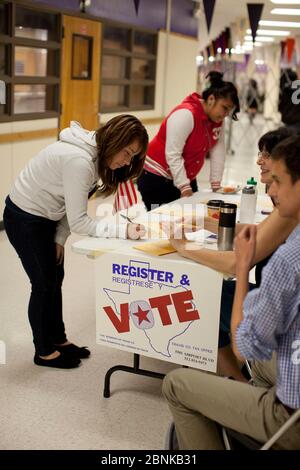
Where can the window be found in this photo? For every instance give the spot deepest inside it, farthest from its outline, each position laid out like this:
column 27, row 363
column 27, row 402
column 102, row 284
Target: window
column 82, row 53
column 4, row 12
column 29, row 61
column 29, row 99
column 35, row 24
column 33, row 62
column 116, row 38
column 128, row 69
column 3, row 60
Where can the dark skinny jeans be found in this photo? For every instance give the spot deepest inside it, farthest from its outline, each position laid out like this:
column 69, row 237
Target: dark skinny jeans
column 157, row 190
column 33, row 239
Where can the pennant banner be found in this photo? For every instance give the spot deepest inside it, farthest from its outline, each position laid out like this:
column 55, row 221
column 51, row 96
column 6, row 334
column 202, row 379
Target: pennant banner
column 213, row 48
column 254, row 13
column 136, row 6
column 297, row 44
column 209, row 6
column 125, row 197
column 228, row 38
column 219, row 42
column 283, row 46
column 224, row 41
column 247, row 57
column 290, row 44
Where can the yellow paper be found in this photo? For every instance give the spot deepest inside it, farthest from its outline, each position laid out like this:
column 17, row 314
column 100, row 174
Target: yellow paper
column 159, row 248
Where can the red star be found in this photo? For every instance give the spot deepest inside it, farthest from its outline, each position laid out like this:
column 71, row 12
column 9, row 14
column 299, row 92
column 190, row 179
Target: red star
column 142, row 315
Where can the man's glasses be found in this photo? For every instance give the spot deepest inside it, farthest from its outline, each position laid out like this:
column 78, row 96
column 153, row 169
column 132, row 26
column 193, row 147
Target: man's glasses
column 263, row 154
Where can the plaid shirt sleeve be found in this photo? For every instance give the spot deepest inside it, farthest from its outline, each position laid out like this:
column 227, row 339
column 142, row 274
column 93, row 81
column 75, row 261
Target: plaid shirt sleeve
column 269, row 310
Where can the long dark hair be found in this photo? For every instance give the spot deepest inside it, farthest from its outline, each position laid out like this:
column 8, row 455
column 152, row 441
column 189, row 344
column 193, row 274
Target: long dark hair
column 112, row 138
column 221, row 89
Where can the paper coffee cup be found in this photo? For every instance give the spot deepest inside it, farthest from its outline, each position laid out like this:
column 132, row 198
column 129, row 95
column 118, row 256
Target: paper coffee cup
column 213, row 208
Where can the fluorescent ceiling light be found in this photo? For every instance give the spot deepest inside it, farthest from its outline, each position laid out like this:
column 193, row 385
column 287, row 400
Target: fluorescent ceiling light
column 269, row 32
column 284, row 24
column 256, row 44
column 286, row 11
column 261, row 38
column 286, row 2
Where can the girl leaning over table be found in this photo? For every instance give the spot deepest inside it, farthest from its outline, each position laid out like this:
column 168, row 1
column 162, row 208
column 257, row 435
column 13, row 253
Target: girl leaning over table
column 49, row 199
column 177, row 153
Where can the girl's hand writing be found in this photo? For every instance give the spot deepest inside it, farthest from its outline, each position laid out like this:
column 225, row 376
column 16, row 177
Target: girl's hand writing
column 135, row 231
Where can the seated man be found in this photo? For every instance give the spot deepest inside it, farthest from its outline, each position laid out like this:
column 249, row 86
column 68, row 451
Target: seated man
column 271, row 233
column 265, row 328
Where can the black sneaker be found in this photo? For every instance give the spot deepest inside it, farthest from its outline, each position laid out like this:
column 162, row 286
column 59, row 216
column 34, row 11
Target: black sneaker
column 72, row 350
column 62, row 361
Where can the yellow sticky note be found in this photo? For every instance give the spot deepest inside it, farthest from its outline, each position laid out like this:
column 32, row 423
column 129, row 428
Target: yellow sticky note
column 159, row 248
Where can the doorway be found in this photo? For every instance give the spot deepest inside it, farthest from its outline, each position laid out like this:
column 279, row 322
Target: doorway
column 80, row 72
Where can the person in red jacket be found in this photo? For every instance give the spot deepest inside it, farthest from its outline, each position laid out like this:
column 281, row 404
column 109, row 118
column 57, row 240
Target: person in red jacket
column 177, row 153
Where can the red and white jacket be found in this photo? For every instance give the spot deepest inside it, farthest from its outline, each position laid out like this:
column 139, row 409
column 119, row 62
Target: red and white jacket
column 185, row 136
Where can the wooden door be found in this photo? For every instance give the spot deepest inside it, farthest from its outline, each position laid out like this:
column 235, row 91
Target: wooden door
column 80, row 72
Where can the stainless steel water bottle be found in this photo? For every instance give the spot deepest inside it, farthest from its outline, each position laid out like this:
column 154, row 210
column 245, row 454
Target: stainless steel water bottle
column 226, row 226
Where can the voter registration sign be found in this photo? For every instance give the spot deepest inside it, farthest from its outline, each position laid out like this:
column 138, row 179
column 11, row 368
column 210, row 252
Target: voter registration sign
column 166, row 309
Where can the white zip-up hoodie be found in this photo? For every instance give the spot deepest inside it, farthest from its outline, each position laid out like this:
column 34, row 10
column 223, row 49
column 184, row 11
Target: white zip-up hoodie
column 55, row 184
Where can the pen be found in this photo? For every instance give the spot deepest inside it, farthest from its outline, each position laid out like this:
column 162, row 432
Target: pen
column 127, row 218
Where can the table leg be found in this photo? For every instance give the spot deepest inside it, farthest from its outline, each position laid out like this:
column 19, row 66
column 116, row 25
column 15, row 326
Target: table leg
column 133, row 370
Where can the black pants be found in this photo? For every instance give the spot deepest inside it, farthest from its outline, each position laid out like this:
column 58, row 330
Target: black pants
column 33, row 239
column 157, row 190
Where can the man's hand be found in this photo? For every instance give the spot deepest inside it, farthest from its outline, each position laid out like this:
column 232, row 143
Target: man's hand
column 175, row 232
column 135, row 231
column 59, row 253
column 244, row 246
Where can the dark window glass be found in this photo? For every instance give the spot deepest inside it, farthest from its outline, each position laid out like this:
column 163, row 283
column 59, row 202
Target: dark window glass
column 129, row 56
column 82, row 57
column 114, row 96
column 4, row 93
column 116, row 38
column 141, row 95
column 114, row 67
column 142, row 69
column 3, row 60
column 143, row 43
column 36, row 24
column 3, row 19
column 34, row 98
